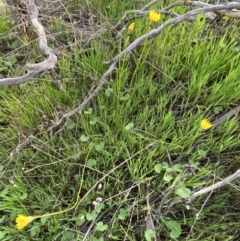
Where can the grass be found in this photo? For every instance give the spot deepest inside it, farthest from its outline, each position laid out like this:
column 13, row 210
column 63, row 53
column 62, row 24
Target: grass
column 122, row 148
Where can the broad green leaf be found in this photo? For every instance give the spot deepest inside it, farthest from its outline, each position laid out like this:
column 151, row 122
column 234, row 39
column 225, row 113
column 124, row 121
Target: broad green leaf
column 158, row 168
column 125, row 97
column 122, row 214
column 80, row 219
column 24, row 196
column 88, row 111
column 175, row 228
column 70, row 125
column 67, row 236
column 98, row 207
column 217, row 110
column 149, row 234
column 91, row 162
column 2, row 218
column 100, row 146
column 177, row 167
column 108, row 92
column 44, row 219
column 34, row 230
column 91, row 216
column 101, row 227
column 129, row 126
column 2, row 234
column 98, row 239
column 84, row 138
column 93, row 121
column 165, row 165
column 167, row 177
column 183, row 191
column 202, row 153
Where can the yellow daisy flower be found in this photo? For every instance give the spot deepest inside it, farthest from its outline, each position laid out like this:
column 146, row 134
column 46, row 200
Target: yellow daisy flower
column 22, row 221
column 131, row 26
column 154, row 16
column 205, row 124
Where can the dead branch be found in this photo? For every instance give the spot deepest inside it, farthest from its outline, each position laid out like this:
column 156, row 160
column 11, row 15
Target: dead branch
column 35, row 69
column 211, row 188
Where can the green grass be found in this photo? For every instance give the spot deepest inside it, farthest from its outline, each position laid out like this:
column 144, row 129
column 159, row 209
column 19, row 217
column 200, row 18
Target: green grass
column 123, row 146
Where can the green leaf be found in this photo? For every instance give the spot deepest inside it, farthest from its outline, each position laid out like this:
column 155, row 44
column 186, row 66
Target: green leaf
column 177, row 167
column 158, row 168
column 183, row 191
column 91, row 162
column 194, row 163
column 81, row 219
column 93, row 121
column 10, row 63
column 23, row 196
column 4, row 192
column 44, row 220
column 122, row 214
column 98, row 207
column 98, row 239
column 101, row 227
column 108, row 92
column 125, row 97
column 1, row 167
column 175, row 228
column 165, row 165
column 34, row 230
column 91, row 216
column 2, row 218
column 100, row 146
column 149, row 234
column 2, row 234
column 217, row 110
column 129, row 126
column 70, row 125
column 84, row 138
column 67, row 236
column 88, row 111
column 202, row 153
column 167, row 177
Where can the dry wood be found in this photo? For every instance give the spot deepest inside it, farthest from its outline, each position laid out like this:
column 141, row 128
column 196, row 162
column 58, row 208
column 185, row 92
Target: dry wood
column 35, row 69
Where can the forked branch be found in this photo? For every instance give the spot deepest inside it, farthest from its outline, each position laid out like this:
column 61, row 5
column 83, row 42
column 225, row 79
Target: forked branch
column 35, row 69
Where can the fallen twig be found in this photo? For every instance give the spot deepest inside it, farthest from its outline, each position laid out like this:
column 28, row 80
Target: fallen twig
column 196, row 194
column 35, row 69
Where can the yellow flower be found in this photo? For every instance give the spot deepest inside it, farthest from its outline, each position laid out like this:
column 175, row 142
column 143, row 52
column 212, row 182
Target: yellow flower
column 154, row 16
column 131, row 26
column 205, row 124
column 22, row 221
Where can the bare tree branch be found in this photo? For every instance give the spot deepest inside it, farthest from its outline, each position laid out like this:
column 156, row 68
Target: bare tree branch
column 211, row 188
column 43, row 66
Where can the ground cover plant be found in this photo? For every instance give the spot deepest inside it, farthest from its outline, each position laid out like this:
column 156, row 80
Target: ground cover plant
column 125, row 165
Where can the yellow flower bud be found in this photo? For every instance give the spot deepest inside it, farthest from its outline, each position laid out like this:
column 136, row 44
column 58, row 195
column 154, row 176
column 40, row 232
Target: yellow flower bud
column 22, row 221
column 131, row 26
column 205, row 124
column 154, row 16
